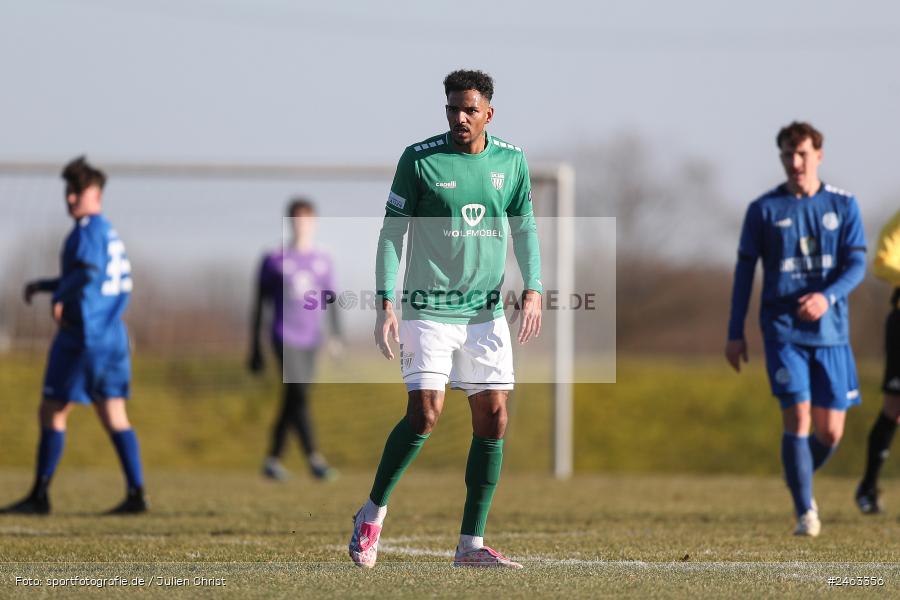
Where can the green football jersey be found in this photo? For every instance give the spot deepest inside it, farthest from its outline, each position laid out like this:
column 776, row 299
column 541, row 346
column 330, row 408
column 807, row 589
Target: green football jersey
column 459, row 211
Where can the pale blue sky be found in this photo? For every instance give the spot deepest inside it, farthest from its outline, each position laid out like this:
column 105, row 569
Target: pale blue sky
column 273, row 80
column 282, row 81
column 277, row 80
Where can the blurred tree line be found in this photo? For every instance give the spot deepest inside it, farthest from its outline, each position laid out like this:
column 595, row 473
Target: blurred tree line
column 677, row 233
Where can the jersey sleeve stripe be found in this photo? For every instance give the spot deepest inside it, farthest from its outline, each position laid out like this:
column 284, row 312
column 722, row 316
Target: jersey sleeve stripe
column 395, row 211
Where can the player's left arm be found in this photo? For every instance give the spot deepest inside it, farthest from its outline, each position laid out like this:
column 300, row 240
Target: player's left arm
column 851, row 264
column 526, row 247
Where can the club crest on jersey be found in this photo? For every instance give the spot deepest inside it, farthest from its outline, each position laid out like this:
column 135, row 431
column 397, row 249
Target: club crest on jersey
column 497, row 179
column 473, row 213
column 808, row 245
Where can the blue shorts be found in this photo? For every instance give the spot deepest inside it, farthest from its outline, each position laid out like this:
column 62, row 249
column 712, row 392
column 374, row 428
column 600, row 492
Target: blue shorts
column 826, row 375
column 82, row 375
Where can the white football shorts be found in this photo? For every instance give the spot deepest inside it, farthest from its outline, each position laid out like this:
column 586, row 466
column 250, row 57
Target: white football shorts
column 472, row 357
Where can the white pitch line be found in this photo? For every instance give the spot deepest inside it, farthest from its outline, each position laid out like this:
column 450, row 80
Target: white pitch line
column 392, row 548
column 410, row 551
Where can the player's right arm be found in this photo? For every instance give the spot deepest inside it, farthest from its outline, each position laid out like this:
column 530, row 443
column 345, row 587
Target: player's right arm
column 749, row 251
column 256, row 362
column 38, row 286
column 83, row 257
column 887, row 256
column 400, row 208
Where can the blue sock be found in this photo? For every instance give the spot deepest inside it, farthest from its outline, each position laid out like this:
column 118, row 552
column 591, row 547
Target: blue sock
column 820, row 452
column 798, row 470
column 49, row 452
column 126, row 443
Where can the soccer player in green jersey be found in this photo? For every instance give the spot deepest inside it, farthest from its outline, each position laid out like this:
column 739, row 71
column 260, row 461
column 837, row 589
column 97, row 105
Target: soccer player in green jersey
column 460, row 195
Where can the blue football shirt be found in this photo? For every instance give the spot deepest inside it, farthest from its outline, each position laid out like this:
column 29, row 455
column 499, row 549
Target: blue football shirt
column 803, row 244
column 94, row 286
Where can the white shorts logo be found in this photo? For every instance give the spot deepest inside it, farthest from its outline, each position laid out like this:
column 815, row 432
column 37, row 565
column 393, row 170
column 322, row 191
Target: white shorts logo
column 783, row 376
column 406, row 359
column 473, row 213
column 830, row 221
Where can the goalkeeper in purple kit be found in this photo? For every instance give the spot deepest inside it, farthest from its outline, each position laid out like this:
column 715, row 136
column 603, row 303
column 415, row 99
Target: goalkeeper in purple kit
column 298, row 282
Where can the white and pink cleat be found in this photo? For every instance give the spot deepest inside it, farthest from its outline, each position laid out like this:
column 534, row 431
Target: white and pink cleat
column 484, row 557
column 364, row 542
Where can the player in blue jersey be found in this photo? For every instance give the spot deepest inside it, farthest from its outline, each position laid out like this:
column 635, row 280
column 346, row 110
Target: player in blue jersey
column 809, row 237
column 89, row 358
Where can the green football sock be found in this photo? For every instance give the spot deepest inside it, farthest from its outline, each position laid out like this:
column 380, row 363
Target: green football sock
column 482, row 475
column 402, row 446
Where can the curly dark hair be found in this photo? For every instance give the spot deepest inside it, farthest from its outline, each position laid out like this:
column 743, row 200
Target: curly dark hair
column 462, row 80
column 796, row 132
column 79, row 175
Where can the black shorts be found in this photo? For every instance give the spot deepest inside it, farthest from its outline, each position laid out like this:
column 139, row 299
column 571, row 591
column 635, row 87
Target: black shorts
column 891, row 383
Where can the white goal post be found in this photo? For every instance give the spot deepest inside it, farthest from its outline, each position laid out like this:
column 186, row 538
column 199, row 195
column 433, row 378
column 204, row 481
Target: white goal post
column 560, row 177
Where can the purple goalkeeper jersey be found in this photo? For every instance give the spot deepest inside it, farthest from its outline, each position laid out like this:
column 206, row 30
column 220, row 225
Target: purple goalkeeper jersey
column 298, row 284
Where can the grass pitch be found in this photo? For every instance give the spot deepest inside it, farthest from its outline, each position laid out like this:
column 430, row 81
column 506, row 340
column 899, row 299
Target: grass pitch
column 612, row 536
column 664, row 414
column 723, row 531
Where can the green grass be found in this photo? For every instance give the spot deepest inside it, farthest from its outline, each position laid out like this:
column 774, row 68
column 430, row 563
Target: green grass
column 664, row 414
column 717, row 525
column 611, row 536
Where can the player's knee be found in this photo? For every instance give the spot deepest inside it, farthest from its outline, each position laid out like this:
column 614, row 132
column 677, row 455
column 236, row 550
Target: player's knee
column 52, row 416
column 831, row 435
column 423, row 420
column 113, row 416
column 797, row 426
column 500, row 420
column 491, row 425
column 891, row 408
column 118, row 422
